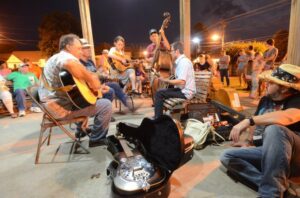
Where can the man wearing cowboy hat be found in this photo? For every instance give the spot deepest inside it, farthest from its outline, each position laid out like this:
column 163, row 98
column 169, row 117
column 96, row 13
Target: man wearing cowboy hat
column 276, row 160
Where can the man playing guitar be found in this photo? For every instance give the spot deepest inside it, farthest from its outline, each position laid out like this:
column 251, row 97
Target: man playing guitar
column 117, row 54
column 184, row 81
column 58, row 102
column 115, row 89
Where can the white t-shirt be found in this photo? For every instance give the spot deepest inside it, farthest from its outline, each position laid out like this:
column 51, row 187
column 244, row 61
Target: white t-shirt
column 114, row 51
column 184, row 71
column 51, row 72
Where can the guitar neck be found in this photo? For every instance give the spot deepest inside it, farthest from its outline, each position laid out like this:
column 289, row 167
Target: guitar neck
column 126, row 148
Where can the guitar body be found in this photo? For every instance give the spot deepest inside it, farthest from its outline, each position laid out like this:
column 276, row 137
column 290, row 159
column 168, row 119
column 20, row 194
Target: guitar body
column 80, row 95
column 118, row 65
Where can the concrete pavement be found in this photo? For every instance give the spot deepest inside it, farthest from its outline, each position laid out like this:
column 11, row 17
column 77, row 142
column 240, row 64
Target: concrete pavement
column 64, row 174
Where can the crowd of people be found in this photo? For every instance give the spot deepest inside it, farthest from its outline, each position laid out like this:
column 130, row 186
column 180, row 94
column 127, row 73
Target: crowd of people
column 275, row 127
column 27, row 75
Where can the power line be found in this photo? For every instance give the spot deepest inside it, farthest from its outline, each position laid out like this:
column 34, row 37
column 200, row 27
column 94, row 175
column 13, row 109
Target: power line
column 260, row 10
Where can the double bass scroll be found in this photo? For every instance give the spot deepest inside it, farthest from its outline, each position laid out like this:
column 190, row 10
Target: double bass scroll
column 162, row 58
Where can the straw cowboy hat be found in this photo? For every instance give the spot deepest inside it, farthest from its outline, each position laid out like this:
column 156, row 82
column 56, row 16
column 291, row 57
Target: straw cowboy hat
column 286, row 75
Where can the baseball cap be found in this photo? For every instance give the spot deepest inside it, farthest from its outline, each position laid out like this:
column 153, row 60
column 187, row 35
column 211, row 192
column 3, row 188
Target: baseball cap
column 105, row 51
column 152, row 31
column 84, row 42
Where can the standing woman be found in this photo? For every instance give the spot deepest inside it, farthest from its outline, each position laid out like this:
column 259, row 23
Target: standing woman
column 242, row 61
column 258, row 65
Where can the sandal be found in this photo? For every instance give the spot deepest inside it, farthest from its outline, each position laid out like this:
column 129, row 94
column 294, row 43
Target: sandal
column 13, row 115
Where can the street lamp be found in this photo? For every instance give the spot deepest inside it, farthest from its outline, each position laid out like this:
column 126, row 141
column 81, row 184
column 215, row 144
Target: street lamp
column 215, row 37
column 197, row 41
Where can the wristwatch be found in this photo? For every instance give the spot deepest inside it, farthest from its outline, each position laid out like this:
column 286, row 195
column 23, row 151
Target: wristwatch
column 252, row 123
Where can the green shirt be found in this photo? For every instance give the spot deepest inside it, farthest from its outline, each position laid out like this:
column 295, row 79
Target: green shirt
column 22, row 81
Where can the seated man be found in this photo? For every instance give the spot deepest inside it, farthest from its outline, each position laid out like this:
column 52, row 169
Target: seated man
column 184, row 81
column 23, row 79
column 59, row 104
column 6, row 97
column 117, row 53
column 115, row 88
column 4, row 70
column 277, row 120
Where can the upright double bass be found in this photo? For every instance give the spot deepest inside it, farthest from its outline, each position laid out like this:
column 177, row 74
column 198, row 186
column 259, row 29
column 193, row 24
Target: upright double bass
column 162, row 58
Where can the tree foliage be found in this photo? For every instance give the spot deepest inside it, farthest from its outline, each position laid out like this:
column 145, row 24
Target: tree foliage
column 281, row 42
column 52, row 27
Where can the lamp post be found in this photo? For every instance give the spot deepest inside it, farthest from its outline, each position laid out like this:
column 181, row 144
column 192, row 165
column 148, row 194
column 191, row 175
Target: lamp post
column 197, row 40
column 216, row 37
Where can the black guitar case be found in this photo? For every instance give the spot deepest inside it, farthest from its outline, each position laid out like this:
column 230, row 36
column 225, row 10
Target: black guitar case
column 159, row 148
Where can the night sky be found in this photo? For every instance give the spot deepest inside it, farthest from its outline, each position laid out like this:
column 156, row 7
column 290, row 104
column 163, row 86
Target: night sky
column 19, row 19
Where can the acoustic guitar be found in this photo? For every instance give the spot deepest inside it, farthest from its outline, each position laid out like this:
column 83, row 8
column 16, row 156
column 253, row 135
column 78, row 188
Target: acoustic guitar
column 80, row 94
column 119, row 65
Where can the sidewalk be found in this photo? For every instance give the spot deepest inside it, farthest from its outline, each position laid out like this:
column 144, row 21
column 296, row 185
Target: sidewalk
column 69, row 175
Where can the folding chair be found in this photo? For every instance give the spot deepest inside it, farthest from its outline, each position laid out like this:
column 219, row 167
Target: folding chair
column 48, row 122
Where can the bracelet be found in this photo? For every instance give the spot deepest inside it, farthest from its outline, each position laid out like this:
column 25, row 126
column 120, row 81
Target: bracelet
column 252, row 123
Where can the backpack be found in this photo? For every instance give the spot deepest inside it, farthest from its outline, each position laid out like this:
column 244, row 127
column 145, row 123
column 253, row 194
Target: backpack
column 199, row 131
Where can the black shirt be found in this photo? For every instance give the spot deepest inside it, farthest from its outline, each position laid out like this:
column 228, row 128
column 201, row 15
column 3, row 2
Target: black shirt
column 267, row 105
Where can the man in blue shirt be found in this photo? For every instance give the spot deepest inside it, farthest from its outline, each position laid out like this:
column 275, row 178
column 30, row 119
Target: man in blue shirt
column 115, row 88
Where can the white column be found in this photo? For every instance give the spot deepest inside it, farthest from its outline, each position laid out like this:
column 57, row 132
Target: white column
column 185, row 25
column 294, row 33
column 85, row 16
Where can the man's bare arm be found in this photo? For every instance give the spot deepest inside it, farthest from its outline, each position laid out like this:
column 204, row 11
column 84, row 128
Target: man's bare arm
column 78, row 71
column 284, row 118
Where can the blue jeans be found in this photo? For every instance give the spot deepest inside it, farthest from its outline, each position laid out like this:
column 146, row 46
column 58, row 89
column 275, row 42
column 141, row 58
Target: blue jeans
column 163, row 94
column 115, row 89
column 224, row 73
column 270, row 165
column 101, row 111
column 20, row 95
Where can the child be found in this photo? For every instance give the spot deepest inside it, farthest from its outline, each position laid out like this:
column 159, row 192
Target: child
column 140, row 77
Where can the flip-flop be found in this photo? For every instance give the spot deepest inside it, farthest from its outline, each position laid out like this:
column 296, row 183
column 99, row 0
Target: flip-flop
column 13, row 115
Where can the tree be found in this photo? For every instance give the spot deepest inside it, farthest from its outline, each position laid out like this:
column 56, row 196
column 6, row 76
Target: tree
column 52, row 27
column 281, row 43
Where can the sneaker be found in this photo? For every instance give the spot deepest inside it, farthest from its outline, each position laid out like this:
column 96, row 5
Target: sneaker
column 80, row 133
column 133, row 107
column 101, row 142
column 134, row 92
column 35, row 109
column 22, row 113
column 112, row 119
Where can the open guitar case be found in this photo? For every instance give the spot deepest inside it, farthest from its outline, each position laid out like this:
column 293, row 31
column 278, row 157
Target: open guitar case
column 159, row 147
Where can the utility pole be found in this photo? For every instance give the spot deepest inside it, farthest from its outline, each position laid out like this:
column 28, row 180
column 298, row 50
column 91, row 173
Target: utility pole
column 223, row 26
column 294, row 32
column 85, row 16
column 185, row 25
